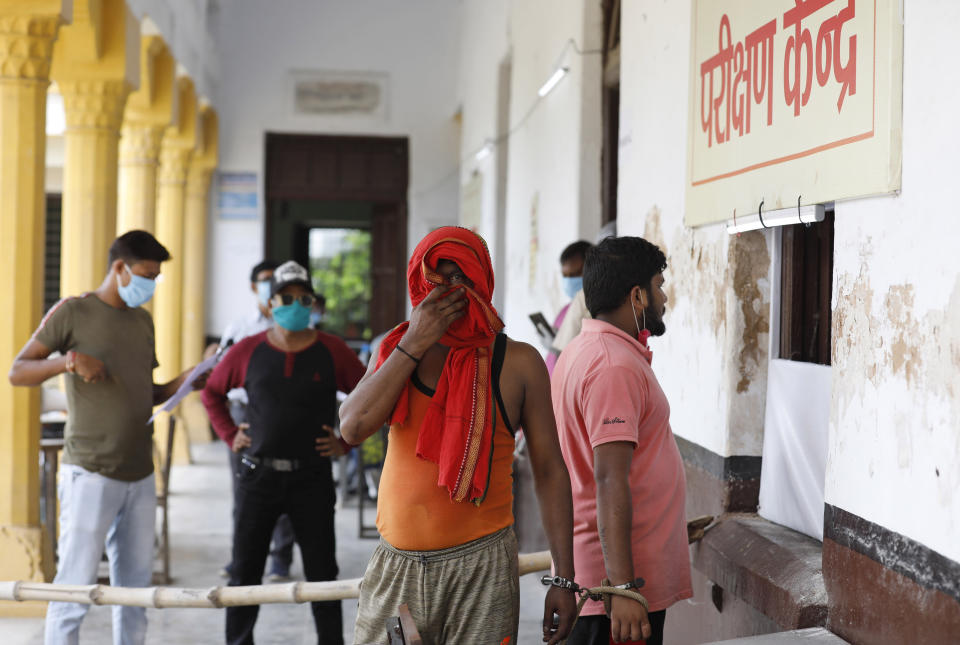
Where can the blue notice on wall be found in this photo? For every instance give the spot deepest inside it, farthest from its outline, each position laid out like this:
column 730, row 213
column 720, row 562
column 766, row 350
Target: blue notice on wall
column 238, row 195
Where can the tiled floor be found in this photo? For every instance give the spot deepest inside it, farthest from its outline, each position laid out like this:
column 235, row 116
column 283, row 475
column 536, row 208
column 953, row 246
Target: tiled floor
column 200, row 524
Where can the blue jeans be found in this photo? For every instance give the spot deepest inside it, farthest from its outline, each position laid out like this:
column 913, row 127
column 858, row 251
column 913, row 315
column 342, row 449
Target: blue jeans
column 95, row 510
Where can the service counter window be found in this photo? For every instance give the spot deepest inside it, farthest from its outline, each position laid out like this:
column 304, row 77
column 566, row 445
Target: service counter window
column 797, row 414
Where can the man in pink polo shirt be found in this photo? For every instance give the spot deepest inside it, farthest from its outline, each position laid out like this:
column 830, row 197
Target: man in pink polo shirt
column 625, row 468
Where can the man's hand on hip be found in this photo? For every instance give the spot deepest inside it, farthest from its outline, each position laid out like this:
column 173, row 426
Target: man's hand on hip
column 628, row 620
column 329, row 446
column 241, row 440
column 562, row 602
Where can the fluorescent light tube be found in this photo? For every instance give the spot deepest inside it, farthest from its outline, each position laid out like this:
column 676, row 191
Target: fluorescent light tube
column 552, row 81
column 483, row 152
column 780, row 217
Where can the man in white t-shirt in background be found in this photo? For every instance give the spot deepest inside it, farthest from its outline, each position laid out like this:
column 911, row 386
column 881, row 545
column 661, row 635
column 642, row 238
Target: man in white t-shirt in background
column 260, row 320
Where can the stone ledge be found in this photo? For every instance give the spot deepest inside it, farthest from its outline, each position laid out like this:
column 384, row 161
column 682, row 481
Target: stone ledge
column 776, row 570
column 812, row 636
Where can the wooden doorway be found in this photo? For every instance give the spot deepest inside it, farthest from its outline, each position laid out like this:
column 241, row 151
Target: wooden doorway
column 343, row 183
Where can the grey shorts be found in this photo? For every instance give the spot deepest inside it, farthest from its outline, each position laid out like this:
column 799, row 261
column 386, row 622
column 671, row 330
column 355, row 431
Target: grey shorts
column 465, row 595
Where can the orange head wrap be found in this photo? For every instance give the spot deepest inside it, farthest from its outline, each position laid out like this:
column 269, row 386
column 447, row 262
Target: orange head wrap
column 457, row 432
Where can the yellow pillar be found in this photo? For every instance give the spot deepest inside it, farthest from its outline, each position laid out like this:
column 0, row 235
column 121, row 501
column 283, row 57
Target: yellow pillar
column 95, row 68
column 176, row 149
column 195, row 236
column 148, row 112
column 27, row 33
column 195, row 266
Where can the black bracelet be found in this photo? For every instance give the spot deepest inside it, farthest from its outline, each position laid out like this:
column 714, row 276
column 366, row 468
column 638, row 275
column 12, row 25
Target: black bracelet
column 558, row 581
column 408, row 355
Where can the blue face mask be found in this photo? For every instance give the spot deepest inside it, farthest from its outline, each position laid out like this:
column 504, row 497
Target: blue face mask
column 263, row 293
column 136, row 292
column 572, row 285
column 293, row 317
column 315, row 318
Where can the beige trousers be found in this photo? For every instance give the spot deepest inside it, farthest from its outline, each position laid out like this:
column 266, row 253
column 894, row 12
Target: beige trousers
column 465, row 595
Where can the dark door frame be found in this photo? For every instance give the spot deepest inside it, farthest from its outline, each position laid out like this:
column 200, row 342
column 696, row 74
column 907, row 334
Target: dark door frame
column 349, row 168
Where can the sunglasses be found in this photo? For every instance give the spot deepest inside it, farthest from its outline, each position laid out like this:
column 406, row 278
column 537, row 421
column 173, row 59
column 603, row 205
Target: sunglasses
column 287, row 299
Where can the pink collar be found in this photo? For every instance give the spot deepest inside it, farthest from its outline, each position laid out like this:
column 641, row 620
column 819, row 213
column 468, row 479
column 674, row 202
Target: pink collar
column 591, row 325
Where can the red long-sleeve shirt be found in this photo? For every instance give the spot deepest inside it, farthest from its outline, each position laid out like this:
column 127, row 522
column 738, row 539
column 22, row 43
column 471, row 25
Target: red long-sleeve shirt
column 291, row 394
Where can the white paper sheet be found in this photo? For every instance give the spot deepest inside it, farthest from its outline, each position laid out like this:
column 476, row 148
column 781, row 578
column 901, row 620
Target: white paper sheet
column 187, row 386
column 796, row 427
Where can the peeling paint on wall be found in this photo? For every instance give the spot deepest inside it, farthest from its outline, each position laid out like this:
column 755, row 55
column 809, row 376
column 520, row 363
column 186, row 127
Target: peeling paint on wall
column 924, row 352
column 698, row 271
column 720, row 289
column 750, row 265
column 904, row 357
column 897, row 384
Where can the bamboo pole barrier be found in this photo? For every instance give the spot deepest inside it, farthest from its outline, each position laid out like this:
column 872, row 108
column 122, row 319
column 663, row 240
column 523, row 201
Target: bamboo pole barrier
column 210, row 597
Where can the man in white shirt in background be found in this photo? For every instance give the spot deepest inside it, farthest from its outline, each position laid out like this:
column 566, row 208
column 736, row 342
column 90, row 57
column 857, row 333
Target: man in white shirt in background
column 260, row 320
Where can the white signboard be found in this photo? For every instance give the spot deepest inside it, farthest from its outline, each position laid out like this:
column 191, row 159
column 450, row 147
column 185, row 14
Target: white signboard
column 792, row 100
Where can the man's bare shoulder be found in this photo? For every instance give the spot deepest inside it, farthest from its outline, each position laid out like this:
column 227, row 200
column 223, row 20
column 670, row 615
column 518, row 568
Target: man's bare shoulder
column 523, row 356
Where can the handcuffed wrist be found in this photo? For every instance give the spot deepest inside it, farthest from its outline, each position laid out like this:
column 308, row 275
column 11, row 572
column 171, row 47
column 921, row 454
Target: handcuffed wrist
column 559, row 581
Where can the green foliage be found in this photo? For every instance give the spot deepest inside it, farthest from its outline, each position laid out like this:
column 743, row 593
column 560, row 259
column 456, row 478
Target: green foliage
column 373, row 450
column 345, row 281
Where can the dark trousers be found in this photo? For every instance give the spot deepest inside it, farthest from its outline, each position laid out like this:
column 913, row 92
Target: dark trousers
column 595, row 630
column 307, row 497
column 282, row 540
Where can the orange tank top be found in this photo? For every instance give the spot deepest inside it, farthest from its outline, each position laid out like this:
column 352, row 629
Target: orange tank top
column 414, row 513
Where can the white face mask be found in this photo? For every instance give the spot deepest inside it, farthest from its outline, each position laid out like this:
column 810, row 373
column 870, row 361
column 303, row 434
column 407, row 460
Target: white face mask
column 263, row 293
column 136, row 292
column 637, row 321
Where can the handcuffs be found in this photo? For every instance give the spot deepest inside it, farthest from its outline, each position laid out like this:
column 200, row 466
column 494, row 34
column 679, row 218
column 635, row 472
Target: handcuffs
column 559, row 581
column 565, row 583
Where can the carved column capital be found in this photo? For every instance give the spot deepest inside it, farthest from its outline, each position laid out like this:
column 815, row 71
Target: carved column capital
column 140, row 143
column 174, row 162
column 94, row 104
column 26, row 46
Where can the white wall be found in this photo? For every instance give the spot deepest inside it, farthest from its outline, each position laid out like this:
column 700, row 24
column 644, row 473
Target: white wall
column 894, row 454
column 414, row 42
column 712, row 360
column 484, row 46
column 554, row 155
column 186, row 28
column 895, row 432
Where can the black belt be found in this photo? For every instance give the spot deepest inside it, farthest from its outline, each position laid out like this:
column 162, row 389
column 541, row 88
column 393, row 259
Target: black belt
column 280, row 465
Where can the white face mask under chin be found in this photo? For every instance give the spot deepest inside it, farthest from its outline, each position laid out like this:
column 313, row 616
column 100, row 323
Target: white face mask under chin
column 636, row 321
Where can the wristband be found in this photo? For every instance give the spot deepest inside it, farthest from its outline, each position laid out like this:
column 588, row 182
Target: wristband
column 558, row 581
column 408, row 355
column 71, row 365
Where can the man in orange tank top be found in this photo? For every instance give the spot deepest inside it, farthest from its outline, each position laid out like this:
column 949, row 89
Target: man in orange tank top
column 454, row 389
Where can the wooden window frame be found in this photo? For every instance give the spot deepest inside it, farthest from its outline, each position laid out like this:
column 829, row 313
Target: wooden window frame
column 806, row 284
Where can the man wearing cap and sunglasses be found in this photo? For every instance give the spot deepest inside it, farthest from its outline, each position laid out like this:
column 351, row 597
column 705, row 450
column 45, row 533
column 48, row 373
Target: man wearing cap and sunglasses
column 291, row 374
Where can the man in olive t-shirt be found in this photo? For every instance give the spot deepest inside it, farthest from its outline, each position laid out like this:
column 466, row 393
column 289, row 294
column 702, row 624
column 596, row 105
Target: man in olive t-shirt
column 107, row 495
column 118, row 444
